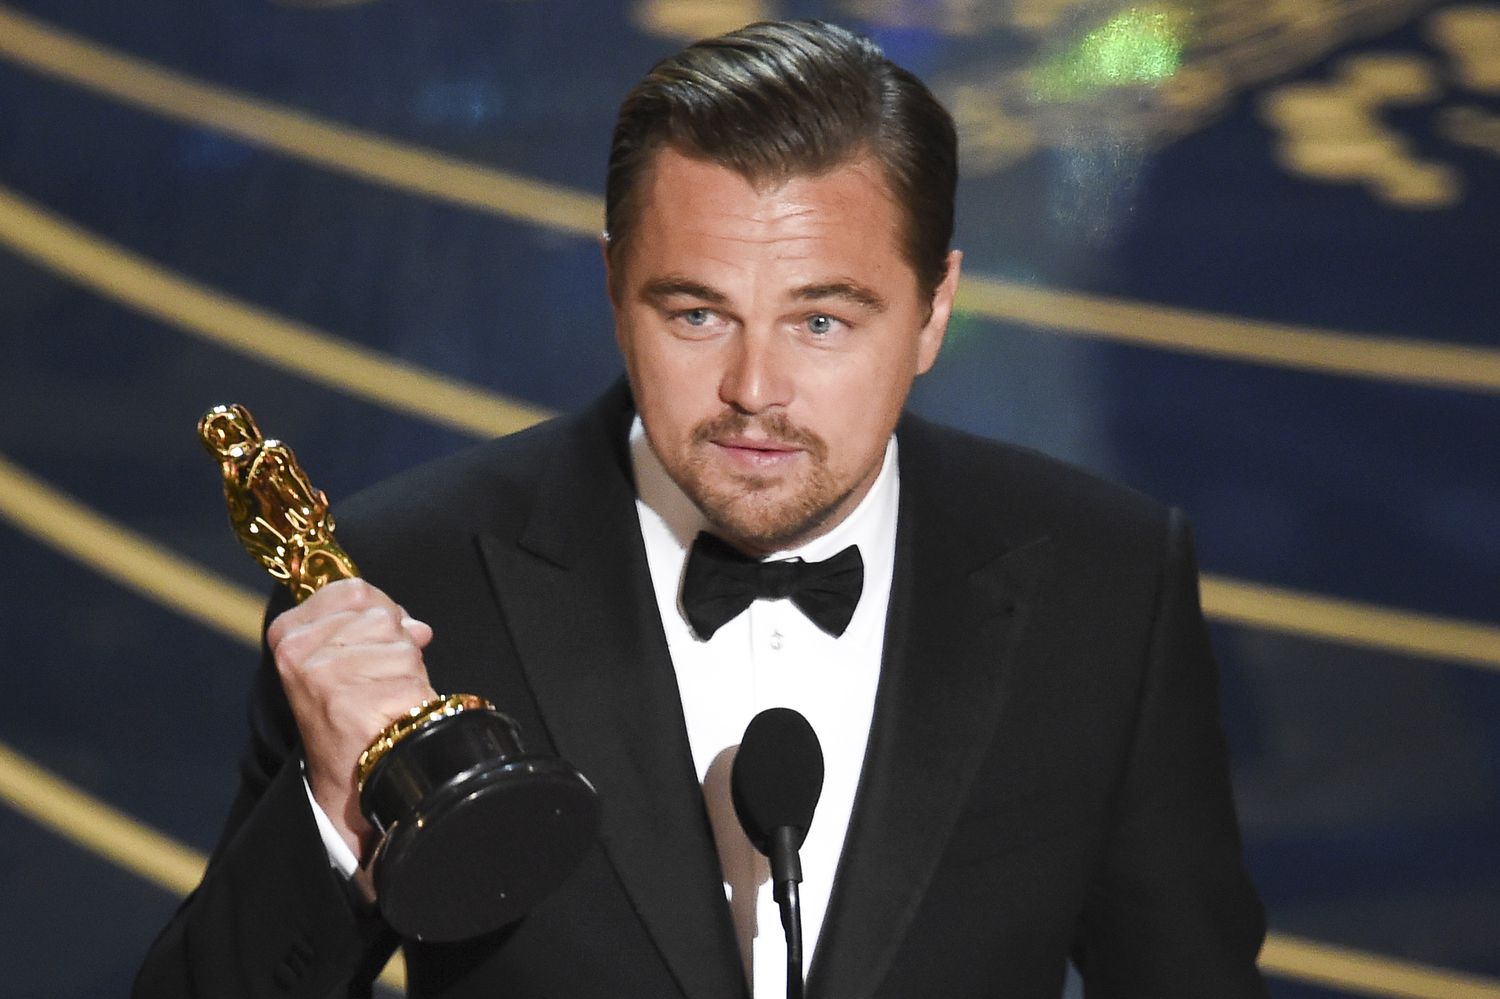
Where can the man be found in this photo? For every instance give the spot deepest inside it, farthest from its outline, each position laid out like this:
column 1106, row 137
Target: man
column 1018, row 710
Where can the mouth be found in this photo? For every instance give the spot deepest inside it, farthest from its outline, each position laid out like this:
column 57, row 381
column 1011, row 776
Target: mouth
column 755, row 453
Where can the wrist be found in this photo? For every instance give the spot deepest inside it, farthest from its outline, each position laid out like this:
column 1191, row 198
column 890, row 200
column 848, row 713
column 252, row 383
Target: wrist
column 340, row 808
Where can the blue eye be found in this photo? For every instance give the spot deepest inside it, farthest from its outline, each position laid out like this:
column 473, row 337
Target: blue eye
column 820, row 324
column 697, row 317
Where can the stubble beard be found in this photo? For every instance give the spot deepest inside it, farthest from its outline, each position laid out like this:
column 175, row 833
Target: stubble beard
column 747, row 510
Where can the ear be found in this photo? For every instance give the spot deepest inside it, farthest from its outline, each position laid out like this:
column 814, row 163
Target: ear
column 930, row 339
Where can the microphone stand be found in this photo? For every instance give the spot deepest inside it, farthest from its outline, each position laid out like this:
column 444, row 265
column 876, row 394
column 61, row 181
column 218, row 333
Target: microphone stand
column 777, row 776
column 786, row 874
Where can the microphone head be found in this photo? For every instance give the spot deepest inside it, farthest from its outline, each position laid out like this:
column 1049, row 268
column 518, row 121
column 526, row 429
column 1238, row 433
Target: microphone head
column 777, row 776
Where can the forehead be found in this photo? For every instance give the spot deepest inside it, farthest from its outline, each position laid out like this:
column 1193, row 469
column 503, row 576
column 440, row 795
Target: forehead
column 699, row 215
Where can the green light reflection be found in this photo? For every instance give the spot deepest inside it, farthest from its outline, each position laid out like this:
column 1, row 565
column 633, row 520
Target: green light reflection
column 1138, row 46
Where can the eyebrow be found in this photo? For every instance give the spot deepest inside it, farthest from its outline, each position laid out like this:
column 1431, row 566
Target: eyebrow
column 848, row 291
column 665, row 287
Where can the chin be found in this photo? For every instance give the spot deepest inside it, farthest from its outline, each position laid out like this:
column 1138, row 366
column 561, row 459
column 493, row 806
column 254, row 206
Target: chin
column 762, row 528
column 763, row 514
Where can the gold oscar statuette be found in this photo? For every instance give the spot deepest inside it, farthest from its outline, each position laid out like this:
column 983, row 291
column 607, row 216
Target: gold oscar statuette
column 474, row 830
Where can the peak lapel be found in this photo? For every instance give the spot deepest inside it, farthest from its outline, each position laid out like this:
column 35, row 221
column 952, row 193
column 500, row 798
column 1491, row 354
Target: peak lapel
column 576, row 594
column 958, row 605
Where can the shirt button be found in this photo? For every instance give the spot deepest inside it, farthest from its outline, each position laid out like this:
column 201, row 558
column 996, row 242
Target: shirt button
column 776, row 640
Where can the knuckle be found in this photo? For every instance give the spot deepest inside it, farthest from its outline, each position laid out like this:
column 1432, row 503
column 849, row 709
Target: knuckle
column 289, row 622
column 287, row 641
column 369, row 597
column 381, row 618
column 290, row 657
column 360, row 592
column 342, row 594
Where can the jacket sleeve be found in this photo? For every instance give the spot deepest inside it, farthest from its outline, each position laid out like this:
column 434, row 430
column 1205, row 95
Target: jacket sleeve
column 1172, row 913
column 271, row 917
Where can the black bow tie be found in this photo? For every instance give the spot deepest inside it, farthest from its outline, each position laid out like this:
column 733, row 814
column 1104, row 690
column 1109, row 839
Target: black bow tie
column 720, row 582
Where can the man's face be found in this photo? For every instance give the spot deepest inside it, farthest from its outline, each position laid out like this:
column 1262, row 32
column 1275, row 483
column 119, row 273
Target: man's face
column 771, row 337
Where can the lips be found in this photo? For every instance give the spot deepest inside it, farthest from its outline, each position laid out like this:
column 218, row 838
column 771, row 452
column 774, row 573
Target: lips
column 768, row 443
column 756, row 453
column 754, row 444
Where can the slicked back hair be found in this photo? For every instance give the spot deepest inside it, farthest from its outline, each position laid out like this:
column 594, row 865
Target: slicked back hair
column 777, row 100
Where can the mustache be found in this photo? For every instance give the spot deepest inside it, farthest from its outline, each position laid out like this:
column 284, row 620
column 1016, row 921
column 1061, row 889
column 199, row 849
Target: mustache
column 776, row 428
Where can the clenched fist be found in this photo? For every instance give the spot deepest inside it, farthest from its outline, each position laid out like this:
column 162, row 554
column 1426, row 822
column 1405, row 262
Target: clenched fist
column 350, row 660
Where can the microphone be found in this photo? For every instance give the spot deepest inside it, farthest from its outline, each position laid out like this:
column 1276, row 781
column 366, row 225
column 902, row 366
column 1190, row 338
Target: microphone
column 775, row 784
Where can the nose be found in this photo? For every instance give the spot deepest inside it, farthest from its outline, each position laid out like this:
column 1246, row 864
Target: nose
column 758, row 373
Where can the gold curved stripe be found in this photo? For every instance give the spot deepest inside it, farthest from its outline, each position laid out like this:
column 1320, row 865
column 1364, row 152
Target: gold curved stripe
column 86, row 821
column 136, row 282
column 127, row 558
column 139, row 284
column 1368, row 974
column 83, row 819
column 136, row 563
column 63, row 56
column 1310, row 615
column 1307, row 348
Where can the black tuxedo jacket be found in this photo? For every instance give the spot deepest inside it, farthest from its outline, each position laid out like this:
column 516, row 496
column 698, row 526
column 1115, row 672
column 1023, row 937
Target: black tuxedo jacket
column 1045, row 777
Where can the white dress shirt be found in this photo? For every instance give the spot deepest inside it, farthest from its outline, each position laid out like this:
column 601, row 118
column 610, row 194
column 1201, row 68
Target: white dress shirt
column 773, row 656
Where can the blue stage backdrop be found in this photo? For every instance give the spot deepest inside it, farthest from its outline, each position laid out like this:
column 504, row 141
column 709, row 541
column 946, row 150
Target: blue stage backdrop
column 1240, row 255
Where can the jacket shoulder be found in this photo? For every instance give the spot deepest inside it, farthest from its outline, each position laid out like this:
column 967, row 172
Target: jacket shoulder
column 1021, row 492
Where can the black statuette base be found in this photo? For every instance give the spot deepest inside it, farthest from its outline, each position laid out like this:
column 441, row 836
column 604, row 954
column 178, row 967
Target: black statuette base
column 475, row 830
